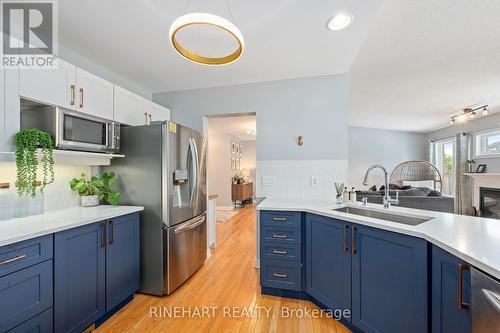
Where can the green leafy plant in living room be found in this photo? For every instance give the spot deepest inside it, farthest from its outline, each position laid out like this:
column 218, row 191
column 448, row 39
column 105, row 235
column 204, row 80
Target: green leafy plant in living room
column 97, row 185
column 27, row 142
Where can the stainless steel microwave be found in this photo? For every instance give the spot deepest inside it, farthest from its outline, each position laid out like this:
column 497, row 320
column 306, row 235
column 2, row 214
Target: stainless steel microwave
column 70, row 129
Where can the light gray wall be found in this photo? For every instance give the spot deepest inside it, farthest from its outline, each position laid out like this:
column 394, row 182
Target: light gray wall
column 79, row 61
column 314, row 107
column 477, row 125
column 386, row 147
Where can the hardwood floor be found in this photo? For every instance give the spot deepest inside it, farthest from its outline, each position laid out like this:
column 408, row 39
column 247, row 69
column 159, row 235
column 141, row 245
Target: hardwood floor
column 228, row 280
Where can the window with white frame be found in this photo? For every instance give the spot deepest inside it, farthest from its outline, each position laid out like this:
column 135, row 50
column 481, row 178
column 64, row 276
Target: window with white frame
column 487, row 143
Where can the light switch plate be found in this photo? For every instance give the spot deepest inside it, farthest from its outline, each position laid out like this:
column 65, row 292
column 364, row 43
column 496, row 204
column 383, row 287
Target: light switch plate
column 268, row 181
column 314, row 181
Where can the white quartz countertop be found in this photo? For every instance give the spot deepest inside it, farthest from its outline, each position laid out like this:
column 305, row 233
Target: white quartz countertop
column 16, row 230
column 473, row 239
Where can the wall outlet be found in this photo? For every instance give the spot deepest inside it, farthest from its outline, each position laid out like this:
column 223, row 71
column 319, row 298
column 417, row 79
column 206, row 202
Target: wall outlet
column 268, row 181
column 314, row 181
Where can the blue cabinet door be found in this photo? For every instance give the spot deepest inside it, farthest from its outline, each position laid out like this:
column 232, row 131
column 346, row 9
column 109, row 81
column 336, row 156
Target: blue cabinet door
column 79, row 276
column 389, row 282
column 122, row 259
column 450, row 312
column 328, row 261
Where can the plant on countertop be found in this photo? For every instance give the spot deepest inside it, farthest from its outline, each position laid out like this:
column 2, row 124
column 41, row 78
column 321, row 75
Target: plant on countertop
column 27, row 141
column 97, row 185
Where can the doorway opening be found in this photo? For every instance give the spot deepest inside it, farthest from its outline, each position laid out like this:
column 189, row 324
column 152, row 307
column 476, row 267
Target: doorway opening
column 231, row 165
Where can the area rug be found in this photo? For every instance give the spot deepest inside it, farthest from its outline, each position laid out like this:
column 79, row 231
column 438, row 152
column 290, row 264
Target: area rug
column 223, row 216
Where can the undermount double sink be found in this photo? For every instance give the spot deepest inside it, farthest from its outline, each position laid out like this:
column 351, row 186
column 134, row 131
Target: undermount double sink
column 391, row 217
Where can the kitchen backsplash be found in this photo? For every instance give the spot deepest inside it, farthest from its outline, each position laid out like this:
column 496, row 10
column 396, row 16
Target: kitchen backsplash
column 294, row 178
column 57, row 195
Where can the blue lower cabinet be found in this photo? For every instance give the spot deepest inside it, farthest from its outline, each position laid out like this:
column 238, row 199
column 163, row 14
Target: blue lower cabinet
column 389, row 282
column 451, row 311
column 281, row 274
column 328, row 261
column 24, row 294
column 41, row 323
column 122, row 259
column 80, row 277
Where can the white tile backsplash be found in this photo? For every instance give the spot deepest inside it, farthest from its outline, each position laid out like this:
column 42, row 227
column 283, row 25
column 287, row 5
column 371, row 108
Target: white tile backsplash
column 57, row 195
column 293, row 178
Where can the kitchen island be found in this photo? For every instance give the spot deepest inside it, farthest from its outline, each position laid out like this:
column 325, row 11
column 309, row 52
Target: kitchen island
column 391, row 276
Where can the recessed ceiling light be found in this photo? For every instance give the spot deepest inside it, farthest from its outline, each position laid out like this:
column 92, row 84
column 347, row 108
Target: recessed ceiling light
column 339, row 21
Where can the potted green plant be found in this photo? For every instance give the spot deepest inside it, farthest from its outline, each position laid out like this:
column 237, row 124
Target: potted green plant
column 96, row 188
column 27, row 141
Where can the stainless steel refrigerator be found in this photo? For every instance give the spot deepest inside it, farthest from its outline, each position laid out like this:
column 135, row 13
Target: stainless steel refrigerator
column 164, row 170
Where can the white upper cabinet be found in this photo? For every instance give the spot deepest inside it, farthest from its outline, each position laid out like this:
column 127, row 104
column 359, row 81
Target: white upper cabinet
column 51, row 86
column 129, row 108
column 2, row 110
column 158, row 112
column 94, row 95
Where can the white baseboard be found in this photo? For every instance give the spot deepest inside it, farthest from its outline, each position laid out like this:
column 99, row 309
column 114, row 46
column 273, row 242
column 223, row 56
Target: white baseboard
column 257, row 263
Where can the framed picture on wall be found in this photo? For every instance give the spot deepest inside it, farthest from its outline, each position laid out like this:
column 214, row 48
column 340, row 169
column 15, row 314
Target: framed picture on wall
column 241, row 150
column 237, row 149
column 233, row 148
column 233, row 163
column 238, row 164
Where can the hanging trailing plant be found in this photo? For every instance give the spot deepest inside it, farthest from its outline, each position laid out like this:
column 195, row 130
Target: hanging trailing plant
column 27, row 141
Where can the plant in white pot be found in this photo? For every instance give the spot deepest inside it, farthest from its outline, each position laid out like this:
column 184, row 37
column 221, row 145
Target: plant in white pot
column 96, row 188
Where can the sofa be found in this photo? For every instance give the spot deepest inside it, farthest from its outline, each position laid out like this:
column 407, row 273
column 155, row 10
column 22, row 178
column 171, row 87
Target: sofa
column 412, row 197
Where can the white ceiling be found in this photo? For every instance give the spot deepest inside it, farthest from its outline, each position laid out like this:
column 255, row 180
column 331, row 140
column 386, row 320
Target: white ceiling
column 423, row 61
column 235, row 126
column 284, row 39
column 411, row 63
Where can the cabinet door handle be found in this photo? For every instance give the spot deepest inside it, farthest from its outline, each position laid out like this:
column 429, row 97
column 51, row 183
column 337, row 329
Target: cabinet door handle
column 279, row 251
column 279, row 275
column 72, row 102
column 279, row 236
column 461, row 269
column 16, row 258
column 279, row 218
column 346, row 230
column 103, row 234
column 81, row 98
column 149, row 115
column 353, row 241
column 146, row 118
column 111, row 232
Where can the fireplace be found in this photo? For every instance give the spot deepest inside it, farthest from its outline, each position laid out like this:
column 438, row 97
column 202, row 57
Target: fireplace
column 490, row 202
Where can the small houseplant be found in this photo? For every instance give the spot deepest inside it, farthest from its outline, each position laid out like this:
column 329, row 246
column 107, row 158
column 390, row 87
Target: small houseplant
column 96, row 188
column 27, row 141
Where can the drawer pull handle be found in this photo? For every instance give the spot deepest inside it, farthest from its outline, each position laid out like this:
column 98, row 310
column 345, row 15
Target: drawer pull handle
column 279, row 236
column 461, row 269
column 279, row 251
column 8, row 261
column 279, row 275
column 279, row 218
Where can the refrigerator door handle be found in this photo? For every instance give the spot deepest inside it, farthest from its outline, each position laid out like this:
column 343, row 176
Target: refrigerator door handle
column 190, row 226
column 194, row 181
column 197, row 168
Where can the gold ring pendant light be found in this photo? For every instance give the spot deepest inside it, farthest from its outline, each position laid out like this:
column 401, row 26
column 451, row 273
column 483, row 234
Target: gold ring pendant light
column 211, row 20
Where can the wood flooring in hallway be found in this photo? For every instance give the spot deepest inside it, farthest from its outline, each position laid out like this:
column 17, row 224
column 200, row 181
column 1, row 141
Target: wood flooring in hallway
column 224, row 287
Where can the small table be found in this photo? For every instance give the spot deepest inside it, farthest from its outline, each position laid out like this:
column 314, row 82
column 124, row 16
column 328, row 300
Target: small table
column 241, row 194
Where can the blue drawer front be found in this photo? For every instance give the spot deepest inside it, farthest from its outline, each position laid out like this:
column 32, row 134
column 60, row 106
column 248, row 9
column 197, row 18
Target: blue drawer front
column 42, row 323
column 25, row 294
column 17, row 256
column 280, row 234
column 281, row 251
column 285, row 219
column 281, row 274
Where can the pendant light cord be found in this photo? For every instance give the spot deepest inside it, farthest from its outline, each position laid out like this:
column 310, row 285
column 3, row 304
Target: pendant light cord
column 230, row 12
